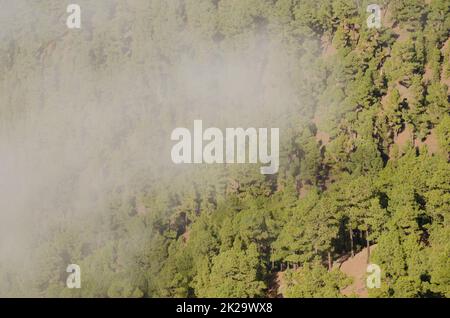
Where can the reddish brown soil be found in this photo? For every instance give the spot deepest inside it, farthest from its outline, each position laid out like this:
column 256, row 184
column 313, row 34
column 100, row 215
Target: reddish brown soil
column 327, row 47
column 402, row 138
column 404, row 92
column 431, row 142
column 185, row 236
column 322, row 137
column 402, row 34
column 356, row 267
column 277, row 286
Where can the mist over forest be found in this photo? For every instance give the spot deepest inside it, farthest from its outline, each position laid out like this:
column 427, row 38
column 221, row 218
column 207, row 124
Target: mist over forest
column 86, row 175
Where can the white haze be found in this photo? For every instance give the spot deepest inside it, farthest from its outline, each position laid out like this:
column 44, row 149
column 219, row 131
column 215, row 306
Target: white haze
column 83, row 112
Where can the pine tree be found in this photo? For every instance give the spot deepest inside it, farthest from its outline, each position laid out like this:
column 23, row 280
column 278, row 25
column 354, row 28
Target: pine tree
column 234, row 273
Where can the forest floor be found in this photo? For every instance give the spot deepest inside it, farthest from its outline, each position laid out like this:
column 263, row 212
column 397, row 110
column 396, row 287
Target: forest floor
column 355, row 267
column 277, row 286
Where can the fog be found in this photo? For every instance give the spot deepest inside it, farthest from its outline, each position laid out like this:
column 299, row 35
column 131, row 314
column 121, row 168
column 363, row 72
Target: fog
column 85, row 112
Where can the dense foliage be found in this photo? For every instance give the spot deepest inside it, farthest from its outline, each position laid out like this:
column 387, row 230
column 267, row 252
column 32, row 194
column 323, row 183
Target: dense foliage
column 364, row 161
